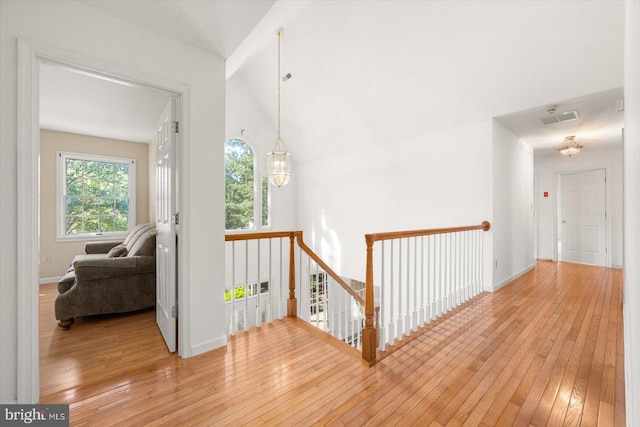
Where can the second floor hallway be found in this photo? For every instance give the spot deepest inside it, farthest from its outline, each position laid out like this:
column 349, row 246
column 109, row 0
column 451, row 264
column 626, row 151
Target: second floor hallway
column 544, row 350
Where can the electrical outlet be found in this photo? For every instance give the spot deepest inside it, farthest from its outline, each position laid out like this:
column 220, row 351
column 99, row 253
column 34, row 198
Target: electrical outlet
column 46, row 259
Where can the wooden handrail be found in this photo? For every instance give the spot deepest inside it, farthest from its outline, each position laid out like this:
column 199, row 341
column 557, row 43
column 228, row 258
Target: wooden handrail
column 370, row 332
column 256, row 236
column 326, row 268
column 376, row 237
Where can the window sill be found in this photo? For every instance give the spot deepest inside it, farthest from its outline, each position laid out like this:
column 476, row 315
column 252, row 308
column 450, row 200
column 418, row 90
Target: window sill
column 249, row 230
column 92, row 237
column 250, row 298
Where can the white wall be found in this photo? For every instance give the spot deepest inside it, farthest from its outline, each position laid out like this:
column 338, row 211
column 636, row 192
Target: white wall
column 512, row 225
column 435, row 180
column 547, row 168
column 632, row 212
column 135, row 52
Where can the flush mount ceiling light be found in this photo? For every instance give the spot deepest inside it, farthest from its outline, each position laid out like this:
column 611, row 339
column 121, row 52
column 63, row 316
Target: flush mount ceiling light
column 570, row 146
column 278, row 160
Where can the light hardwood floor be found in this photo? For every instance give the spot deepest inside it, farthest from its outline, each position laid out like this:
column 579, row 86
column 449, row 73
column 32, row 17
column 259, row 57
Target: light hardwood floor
column 545, row 350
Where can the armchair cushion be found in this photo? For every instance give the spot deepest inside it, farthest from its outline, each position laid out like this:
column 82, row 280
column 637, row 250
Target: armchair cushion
column 134, row 232
column 135, row 235
column 117, row 251
column 144, row 245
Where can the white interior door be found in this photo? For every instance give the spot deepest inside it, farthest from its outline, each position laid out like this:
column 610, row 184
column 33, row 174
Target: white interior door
column 166, row 259
column 583, row 217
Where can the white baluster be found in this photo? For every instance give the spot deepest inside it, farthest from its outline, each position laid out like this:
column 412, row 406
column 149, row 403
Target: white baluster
column 270, row 285
column 400, row 321
column 416, row 300
column 382, row 331
column 246, row 284
column 233, row 281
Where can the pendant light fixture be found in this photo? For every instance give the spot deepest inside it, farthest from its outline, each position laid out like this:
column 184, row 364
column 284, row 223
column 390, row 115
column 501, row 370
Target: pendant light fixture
column 570, row 146
column 278, row 160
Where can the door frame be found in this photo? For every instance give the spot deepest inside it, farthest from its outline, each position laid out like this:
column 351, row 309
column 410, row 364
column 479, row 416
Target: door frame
column 30, row 54
column 608, row 207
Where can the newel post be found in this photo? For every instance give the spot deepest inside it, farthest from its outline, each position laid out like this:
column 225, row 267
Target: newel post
column 369, row 332
column 292, row 302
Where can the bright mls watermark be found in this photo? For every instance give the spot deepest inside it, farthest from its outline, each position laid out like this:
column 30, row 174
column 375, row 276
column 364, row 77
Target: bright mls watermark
column 34, row 415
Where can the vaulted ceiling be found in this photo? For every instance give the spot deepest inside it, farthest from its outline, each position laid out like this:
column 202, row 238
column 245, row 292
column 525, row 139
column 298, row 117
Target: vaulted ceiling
column 374, row 73
column 77, row 102
column 371, row 73
column 215, row 26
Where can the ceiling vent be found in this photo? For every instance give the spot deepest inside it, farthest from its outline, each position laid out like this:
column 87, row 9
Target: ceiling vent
column 561, row 117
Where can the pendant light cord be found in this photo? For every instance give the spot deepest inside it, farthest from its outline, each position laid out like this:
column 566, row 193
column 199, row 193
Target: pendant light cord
column 279, row 33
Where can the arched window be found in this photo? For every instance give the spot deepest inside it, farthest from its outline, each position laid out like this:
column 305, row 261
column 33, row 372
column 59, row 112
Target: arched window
column 246, row 204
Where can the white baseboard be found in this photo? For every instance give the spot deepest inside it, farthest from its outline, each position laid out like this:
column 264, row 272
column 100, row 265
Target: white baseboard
column 515, row 276
column 618, row 266
column 221, row 341
column 44, row 280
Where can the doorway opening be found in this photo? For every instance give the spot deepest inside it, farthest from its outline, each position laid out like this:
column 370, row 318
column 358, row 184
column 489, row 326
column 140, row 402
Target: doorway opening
column 30, row 58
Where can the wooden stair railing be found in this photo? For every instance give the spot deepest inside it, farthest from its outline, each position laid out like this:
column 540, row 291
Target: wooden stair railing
column 292, row 302
column 370, row 331
column 372, row 316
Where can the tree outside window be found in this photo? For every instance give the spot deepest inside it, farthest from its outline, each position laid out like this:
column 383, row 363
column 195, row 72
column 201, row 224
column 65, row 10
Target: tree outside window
column 96, row 194
column 246, row 204
column 266, row 218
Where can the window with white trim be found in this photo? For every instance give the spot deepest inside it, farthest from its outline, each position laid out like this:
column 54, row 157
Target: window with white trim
column 247, row 199
column 96, row 196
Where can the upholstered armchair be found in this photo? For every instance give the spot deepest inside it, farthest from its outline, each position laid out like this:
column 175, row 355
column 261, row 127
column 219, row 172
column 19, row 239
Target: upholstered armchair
column 111, row 277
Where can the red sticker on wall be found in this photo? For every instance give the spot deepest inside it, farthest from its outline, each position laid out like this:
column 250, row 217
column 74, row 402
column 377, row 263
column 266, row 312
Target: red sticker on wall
column 546, row 194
